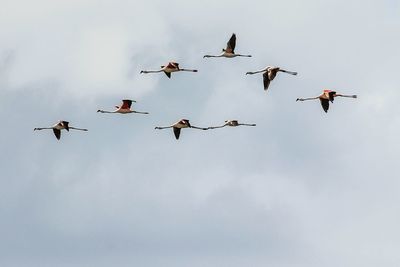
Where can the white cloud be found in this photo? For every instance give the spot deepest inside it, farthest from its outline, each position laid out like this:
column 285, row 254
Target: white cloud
column 303, row 188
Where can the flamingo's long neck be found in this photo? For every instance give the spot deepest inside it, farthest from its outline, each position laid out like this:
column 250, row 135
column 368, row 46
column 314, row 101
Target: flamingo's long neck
column 140, row 112
column 216, row 127
column 188, row 70
column 198, row 128
column 79, row 129
column 289, row 72
column 352, row 96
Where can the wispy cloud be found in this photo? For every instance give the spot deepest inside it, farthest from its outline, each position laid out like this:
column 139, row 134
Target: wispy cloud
column 303, row 188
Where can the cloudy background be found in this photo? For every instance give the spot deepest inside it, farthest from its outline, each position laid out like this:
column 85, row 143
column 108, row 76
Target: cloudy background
column 303, row 188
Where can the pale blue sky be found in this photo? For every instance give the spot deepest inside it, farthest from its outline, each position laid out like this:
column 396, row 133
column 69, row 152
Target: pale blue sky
column 303, row 188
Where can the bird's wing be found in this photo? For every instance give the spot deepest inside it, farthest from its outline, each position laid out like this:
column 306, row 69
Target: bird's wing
column 230, row 46
column 66, row 125
column 168, row 74
column 126, row 104
column 332, row 96
column 266, row 80
column 57, row 133
column 177, row 132
column 324, row 104
column 272, row 73
column 173, row 65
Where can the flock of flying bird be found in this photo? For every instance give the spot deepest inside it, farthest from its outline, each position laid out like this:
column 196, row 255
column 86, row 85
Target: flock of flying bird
column 269, row 73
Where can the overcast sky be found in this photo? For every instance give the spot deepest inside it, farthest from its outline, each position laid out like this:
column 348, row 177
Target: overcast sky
column 303, row 188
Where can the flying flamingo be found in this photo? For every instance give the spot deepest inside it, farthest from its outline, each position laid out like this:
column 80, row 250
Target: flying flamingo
column 60, row 125
column 229, row 51
column 125, row 108
column 325, row 97
column 231, row 123
column 270, row 73
column 168, row 69
column 183, row 123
